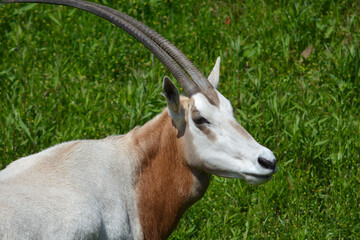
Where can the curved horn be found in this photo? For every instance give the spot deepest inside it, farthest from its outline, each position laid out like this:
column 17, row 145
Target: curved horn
column 200, row 80
column 166, row 52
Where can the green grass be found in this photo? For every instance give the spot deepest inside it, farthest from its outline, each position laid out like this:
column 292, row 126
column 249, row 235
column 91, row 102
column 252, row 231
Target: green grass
column 66, row 74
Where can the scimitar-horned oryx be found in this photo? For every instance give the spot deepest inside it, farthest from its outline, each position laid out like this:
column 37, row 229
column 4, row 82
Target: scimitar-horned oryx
column 138, row 185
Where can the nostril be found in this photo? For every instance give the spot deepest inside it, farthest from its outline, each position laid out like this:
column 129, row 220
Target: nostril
column 266, row 163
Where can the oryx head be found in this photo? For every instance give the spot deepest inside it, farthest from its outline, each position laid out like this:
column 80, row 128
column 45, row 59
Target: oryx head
column 214, row 140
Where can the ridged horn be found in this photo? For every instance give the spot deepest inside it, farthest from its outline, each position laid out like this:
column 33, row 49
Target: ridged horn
column 173, row 59
column 199, row 79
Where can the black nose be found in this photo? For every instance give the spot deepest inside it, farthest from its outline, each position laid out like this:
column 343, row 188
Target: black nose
column 267, row 163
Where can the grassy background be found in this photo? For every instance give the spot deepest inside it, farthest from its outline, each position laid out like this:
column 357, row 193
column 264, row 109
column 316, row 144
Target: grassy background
column 66, row 74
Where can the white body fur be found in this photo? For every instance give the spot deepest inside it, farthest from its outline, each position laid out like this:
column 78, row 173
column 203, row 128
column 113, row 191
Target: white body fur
column 74, row 190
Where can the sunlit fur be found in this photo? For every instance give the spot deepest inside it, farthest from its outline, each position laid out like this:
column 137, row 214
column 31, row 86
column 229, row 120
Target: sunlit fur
column 133, row 186
column 74, row 190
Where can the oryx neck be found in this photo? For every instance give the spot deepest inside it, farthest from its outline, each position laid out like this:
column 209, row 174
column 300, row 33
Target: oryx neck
column 165, row 185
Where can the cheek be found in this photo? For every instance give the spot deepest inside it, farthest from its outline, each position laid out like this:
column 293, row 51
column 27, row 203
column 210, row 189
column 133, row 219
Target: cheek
column 200, row 140
column 191, row 147
column 197, row 142
column 206, row 133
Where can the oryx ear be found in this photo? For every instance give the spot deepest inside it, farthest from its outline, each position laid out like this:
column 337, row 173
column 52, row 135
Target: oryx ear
column 214, row 76
column 172, row 96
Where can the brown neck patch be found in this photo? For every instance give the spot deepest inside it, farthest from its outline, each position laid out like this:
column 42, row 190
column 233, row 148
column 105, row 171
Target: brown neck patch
column 164, row 183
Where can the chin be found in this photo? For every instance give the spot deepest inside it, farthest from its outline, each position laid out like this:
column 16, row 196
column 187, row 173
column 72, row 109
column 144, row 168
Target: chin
column 257, row 180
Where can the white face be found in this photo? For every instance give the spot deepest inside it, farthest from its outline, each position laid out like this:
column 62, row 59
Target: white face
column 221, row 146
column 214, row 141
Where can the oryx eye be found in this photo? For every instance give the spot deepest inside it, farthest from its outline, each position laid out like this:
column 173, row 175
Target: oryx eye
column 200, row 120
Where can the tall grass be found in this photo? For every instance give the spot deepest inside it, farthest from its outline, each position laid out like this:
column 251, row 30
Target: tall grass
column 66, row 74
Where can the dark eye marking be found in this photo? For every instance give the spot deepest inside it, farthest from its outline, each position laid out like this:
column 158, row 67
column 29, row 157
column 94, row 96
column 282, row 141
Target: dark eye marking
column 199, row 120
column 202, row 124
